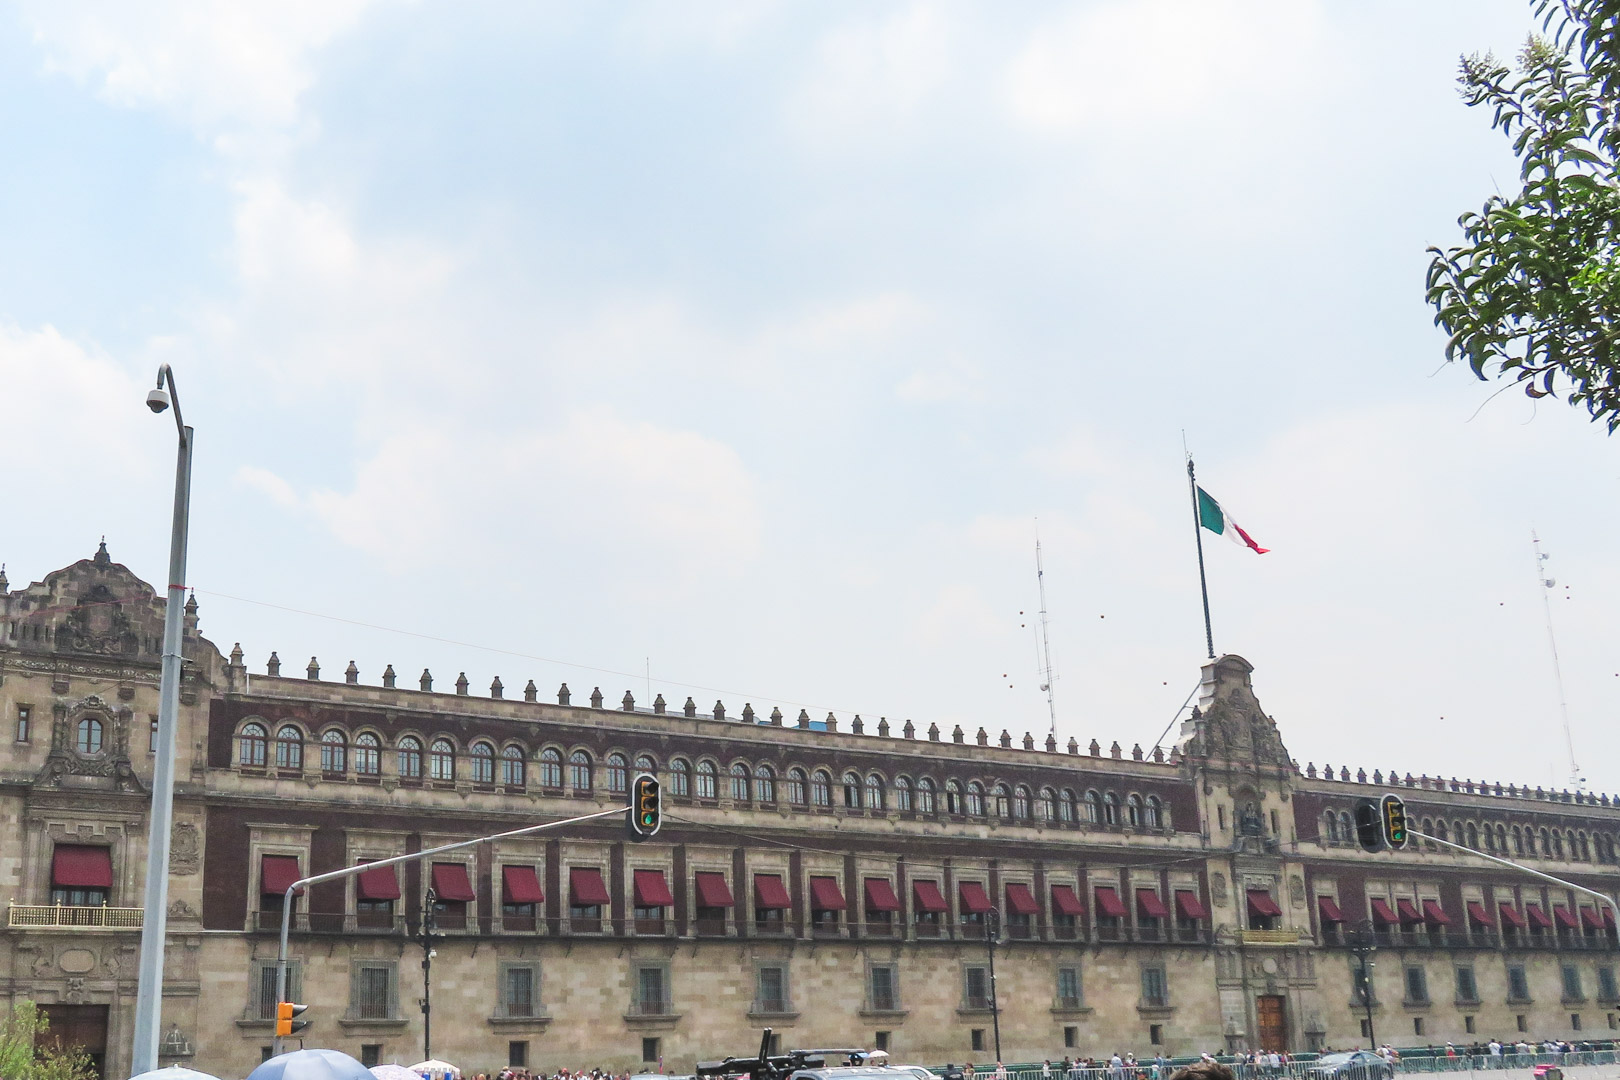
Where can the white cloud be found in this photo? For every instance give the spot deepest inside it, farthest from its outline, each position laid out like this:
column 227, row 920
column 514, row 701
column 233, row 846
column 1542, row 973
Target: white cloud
column 268, row 484
column 68, row 405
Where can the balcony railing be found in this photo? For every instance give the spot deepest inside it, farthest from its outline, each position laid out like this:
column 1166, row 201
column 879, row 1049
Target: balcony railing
column 1271, row 937
column 63, row 917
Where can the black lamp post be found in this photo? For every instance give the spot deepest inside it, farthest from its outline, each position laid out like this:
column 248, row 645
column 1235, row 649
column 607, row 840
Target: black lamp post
column 425, row 936
column 992, row 930
column 1363, row 944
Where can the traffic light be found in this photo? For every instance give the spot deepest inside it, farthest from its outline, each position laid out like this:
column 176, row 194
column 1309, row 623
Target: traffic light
column 1392, row 813
column 646, row 808
column 1369, row 826
column 285, row 1024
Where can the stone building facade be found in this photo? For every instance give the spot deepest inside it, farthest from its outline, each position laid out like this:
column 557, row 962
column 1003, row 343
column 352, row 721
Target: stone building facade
column 830, row 879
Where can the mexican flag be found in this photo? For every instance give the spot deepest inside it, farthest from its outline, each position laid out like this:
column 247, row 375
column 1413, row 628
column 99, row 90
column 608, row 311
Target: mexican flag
column 1216, row 520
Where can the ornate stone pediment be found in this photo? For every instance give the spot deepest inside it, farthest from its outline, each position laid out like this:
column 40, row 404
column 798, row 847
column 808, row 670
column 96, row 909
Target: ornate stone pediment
column 1228, row 724
column 102, row 753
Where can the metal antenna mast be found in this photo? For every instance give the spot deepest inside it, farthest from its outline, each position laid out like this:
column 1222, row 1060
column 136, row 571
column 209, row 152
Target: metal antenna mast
column 1546, row 582
column 1046, row 637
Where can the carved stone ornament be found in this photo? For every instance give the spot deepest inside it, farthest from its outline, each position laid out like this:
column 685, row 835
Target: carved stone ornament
column 75, row 991
column 98, row 624
column 180, row 910
column 185, row 849
column 1217, row 889
column 110, row 762
column 1296, row 890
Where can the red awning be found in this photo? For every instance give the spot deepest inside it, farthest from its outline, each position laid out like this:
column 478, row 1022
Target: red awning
column 928, row 896
column 1538, row 917
column 1148, row 904
column 1188, row 905
column 81, row 866
column 1410, row 915
column 825, row 895
column 380, row 883
column 880, row 895
column 585, row 887
column 1434, row 914
column 450, row 882
column 1329, row 910
column 1066, row 903
column 1566, row 917
column 770, row 894
column 522, row 885
column 712, row 890
column 1511, row 916
column 276, row 873
column 1478, row 915
column 1020, row 901
column 1381, row 913
column 1591, row 918
column 972, row 897
column 650, row 889
column 1109, row 903
column 1261, row 903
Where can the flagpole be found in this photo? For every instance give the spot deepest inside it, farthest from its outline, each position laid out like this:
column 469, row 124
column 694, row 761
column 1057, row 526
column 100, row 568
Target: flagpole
column 1198, row 538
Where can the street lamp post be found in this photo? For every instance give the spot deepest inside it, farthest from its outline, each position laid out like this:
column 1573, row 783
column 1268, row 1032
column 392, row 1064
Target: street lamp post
column 992, row 930
column 155, row 899
column 426, row 936
column 1364, row 944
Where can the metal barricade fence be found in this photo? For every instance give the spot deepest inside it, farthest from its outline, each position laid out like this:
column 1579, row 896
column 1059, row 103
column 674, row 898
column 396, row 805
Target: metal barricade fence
column 1308, row 1069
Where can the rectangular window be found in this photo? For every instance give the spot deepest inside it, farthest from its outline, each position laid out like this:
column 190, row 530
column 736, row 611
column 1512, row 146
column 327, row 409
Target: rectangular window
column 1417, row 986
column 1518, row 984
column 1572, row 983
column 263, row 1005
column 650, row 997
column 374, row 991
column 1575, row 1021
column 370, row 1054
column 1468, row 1025
column 1614, row 1022
column 882, row 988
column 517, row 1054
column 1466, row 988
column 771, row 994
column 1156, row 1034
column 25, row 714
column 1071, row 1037
column 1366, row 1030
column 151, row 737
column 1068, row 988
column 881, row 1041
column 519, row 986
column 976, row 988
column 976, row 1038
column 1154, row 993
column 1522, row 1024
column 649, row 1051
column 1417, row 1025
column 1606, row 986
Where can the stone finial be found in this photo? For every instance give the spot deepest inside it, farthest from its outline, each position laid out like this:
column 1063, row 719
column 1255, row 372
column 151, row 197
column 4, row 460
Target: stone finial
column 748, row 712
column 427, row 679
column 909, row 730
column 191, row 604
column 1158, row 754
column 531, row 692
column 563, row 694
column 776, row 716
column 389, row 678
column 804, row 719
column 1409, row 780
column 957, row 735
column 1378, row 777
column 689, row 710
column 832, row 722
column 719, row 710
column 1344, row 773
column 236, row 655
column 351, row 674
column 1074, row 746
column 314, row 670
column 1310, row 770
column 1136, row 752
column 3, row 581
column 1006, row 739
column 497, row 688
column 1029, row 741
column 596, row 697
column 1327, row 772
column 855, row 725
column 101, row 558
column 628, row 703
column 462, row 684
column 1051, row 743
column 883, row 727
column 933, row 731
column 1095, row 748
column 1499, row 787
column 1361, row 776
column 982, row 737
column 1116, row 751
column 660, row 705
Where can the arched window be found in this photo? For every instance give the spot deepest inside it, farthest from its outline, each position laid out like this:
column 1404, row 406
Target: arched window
column 1487, row 835
column 796, row 787
column 765, row 785
column 1155, row 813
column 821, row 788
column 874, row 793
column 367, row 754
column 975, row 799
column 645, row 764
column 1330, row 828
column 250, row 745
column 1471, row 831
column 1020, row 806
column 579, row 772
column 334, row 752
column 442, row 760
column 618, row 774
column 483, row 763
column 89, row 732
column 707, row 775
column 1345, row 829
column 1093, row 808
column 1545, row 844
column 410, row 757
column 1133, row 810
column 1068, row 808
column 680, row 776
column 1518, row 840
column 1586, row 850
column 1440, row 831
column 740, row 782
column 512, row 767
column 1110, row 808
column 902, row 795
column 289, row 747
column 1501, row 839
column 551, row 768
column 1003, row 801
column 852, row 791
column 953, row 798
column 925, row 796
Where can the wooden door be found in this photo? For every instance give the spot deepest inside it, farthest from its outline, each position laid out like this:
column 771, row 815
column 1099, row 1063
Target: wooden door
column 1272, row 1022
column 84, row 1026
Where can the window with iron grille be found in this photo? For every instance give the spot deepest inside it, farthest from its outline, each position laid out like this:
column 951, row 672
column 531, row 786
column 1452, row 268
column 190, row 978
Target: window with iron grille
column 1467, row 990
column 1518, row 984
column 520, row 990
column 25, row 713
column 1155, row 993
column 373, row 994
column 1417, row 984
column 770, row 995
column 651, row 985
column 263, row 1005
column 976, row 987
column 883, row 988
column 1606, row 985
column 1068, row 988
column 1572, row 983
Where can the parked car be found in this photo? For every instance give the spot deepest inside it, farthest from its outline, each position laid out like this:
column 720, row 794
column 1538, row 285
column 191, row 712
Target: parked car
column 1351, row 1065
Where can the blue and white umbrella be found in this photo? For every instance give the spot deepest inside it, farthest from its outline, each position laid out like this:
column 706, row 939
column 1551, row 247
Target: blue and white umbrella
column 174, row 1072
column 312, row 1065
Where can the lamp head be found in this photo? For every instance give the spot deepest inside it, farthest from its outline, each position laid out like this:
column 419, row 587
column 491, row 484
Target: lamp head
column 157, row 399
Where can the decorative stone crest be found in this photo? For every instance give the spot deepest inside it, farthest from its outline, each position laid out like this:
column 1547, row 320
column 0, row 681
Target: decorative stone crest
column 1217, row 889
column 185, row 849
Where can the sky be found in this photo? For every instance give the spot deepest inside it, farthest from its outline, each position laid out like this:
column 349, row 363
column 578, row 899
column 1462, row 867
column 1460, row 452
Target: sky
column 742, row 351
